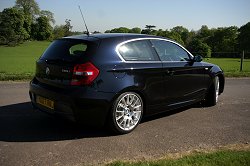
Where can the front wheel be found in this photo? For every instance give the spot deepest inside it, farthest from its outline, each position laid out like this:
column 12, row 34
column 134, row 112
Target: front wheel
column 126, row 113
column 213, row 93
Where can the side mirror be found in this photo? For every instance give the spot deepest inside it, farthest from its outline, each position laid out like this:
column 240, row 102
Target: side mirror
column 197, row 58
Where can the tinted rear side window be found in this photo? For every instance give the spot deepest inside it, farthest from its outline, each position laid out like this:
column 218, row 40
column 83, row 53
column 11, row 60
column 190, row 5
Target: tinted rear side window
column 137, row 51
column 67, row 49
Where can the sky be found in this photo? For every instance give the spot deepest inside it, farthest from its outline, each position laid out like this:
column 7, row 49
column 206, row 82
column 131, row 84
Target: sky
column 102, row 15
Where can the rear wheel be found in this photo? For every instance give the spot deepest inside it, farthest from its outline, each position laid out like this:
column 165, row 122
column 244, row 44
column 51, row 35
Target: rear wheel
column 213, row 93
column 126, row 113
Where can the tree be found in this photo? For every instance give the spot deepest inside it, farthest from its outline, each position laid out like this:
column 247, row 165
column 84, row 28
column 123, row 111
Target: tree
column 183, row 32
column 149, row 29
column 63, row 30
column 120, row 30
column 244, row 37
column 30, row 9
column 49, row 15
column 191, row 37
column 196, row 46
column 160, row 32
column 224, row 39
column 204, row 33
column 96, row 32
column 135, row 30
column 107, row 31
column 58, row 32
column 175, row 36
column 11, row 25
column 42, row 29
column 68, row 28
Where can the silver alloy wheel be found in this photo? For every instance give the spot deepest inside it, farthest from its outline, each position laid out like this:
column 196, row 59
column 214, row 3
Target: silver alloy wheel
column 217, row 88
column 128, row 111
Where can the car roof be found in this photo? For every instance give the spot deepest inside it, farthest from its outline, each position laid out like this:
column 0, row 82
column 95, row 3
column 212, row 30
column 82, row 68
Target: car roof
column 99, row 36
column 114, row 35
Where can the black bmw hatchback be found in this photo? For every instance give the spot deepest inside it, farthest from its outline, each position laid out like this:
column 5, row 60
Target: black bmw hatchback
column 116, row 79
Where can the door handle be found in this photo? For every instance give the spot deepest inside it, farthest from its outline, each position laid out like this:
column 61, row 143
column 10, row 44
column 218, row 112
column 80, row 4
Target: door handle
column 170, row 72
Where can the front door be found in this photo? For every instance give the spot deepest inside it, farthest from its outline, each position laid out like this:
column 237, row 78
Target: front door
column 184, row 80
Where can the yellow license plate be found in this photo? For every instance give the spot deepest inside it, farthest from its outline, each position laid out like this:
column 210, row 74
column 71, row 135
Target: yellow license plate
column 45, row 102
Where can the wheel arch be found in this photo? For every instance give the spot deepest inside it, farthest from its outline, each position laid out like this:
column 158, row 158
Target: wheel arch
column 214, row 72
column 134, row 89
column 109, row 119
column 222, row 82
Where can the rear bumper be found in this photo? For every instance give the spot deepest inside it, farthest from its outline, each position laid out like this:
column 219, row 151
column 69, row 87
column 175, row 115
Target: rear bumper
column 80, row 104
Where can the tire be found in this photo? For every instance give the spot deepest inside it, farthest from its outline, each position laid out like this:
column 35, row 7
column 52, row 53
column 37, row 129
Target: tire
column 126, row 113
column 213, row 93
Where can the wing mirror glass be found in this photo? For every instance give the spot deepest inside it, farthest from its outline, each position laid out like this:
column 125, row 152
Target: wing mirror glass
column 197, row 58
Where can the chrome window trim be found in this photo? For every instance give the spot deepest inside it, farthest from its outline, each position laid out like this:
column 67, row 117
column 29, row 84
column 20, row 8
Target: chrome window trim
column 148, row 38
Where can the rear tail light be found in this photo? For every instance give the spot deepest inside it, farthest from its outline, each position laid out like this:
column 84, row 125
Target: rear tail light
column 84, row 74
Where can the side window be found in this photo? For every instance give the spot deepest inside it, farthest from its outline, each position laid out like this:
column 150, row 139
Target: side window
column 169, row 51
column 137, row 51
column 78, row 49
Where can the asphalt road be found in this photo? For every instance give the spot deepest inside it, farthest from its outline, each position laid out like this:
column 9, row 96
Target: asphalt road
column 28, row 137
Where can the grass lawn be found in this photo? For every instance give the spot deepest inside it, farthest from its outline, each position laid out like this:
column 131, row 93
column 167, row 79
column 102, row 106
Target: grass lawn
column 219, row 158
column 231, row 66
column 18, row 63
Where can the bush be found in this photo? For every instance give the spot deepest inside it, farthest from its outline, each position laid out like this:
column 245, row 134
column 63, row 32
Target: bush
column 11, row 24
column 198, row 47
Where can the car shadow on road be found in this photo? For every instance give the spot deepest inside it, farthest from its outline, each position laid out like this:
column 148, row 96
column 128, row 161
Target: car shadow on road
column 167, row 113
column 20, row 123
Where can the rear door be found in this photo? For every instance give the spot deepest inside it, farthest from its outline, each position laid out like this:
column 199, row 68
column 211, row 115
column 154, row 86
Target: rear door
column 183, row 79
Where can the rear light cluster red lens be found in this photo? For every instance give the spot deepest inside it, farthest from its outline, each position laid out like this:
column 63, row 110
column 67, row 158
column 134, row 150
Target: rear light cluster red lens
column 84, row 74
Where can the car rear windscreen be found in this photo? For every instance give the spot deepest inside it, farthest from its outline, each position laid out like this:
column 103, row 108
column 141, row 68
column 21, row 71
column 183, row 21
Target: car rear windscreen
column 67, row 49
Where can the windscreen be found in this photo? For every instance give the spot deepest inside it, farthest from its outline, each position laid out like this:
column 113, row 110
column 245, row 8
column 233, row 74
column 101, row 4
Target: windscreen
column 67, row 49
